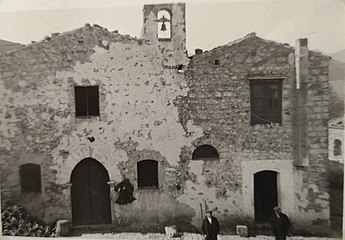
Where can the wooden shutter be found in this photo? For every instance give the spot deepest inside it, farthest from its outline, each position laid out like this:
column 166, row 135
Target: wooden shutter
column 148, row 173
column 30, row 176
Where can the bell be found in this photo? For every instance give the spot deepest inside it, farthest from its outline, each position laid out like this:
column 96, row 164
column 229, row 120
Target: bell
column 163, row 28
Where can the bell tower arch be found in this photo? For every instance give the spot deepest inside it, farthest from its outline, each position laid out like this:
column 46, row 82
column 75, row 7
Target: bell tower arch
column 165, row 25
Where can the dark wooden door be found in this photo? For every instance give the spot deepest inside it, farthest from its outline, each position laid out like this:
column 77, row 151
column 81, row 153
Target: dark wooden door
column 90, row 193
column 265, row 195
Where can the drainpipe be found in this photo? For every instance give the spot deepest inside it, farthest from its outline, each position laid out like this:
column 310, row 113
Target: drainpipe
column 300, row 121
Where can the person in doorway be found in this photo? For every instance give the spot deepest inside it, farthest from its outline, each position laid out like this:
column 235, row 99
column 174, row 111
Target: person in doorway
column 210, row 226
column 280, row 224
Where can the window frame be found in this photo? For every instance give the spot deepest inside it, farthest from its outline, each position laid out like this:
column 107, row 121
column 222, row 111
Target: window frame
column 266, row 118
column 88, row 100
column 140, row 174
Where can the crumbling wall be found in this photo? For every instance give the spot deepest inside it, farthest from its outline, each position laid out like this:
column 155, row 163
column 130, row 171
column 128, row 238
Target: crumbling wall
column 138, row 117
column 219, row 102
column 151, row 111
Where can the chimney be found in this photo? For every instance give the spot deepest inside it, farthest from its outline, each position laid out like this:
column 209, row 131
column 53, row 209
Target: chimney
column 299, row 98
column 198, row 51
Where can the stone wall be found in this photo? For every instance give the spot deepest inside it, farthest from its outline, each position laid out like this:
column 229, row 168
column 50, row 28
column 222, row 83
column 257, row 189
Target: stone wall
column 149, row 111
column 138, row 120
column 219, row 102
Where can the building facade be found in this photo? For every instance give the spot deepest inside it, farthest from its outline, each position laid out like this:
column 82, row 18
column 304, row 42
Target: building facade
column 336, row 140
column 238, row 129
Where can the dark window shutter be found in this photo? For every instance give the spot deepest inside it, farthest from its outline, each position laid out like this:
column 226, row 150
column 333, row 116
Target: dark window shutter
column 86, row 101
column 147, row 173
column 30, row 176
column 80, row 101
column 93, row 101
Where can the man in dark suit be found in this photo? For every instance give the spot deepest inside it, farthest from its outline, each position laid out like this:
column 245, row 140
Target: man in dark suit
column 210, row 226
column 280, row 224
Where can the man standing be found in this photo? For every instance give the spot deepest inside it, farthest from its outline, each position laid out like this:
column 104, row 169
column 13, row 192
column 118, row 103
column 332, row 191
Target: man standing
column 210, row 226
column 280, row 224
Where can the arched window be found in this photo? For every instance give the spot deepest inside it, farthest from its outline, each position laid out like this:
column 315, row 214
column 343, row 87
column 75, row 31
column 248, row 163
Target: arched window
column 337, row 147
column 205, row 152
column 164, row 25
column 147, row 174
column 30, row 177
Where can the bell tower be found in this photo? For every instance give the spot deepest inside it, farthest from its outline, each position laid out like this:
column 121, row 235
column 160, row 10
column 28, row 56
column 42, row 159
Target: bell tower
column 165, row 25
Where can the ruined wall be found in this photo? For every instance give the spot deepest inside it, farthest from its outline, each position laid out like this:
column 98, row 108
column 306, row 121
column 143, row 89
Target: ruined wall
column 138, row 120
column 149, row 111
column 219, row 102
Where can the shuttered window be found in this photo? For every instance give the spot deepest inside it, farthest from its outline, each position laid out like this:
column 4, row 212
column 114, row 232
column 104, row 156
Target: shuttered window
column 266, row 101
column 147, row 174
column 30, row 177
column 86, row 101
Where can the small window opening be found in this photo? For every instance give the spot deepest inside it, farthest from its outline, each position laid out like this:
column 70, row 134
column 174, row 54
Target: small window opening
column 216, row 62
column 147, row 174
column 164, row 25
column 86, row 101
column 30, row 177
column 205, row 152
column 337, row 147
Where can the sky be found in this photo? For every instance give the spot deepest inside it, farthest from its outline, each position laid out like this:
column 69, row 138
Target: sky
column 209, row 23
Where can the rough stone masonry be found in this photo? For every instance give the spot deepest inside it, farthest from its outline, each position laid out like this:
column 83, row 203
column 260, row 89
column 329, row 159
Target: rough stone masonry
column 156, row 104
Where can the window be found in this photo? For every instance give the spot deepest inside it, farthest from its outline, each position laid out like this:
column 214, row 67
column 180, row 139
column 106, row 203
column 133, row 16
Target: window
column 30, row 177
column 86, row 101
column 337, row 147
column 147, row 174
column 205, row 152
column 164, row 25
column 266, row 101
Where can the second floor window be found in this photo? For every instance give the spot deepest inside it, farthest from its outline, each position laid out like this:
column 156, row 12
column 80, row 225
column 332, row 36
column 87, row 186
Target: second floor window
column 266, row 101
column 86, row 101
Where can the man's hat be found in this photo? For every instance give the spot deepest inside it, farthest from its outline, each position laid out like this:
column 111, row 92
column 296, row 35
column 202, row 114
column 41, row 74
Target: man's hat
column 208, row 211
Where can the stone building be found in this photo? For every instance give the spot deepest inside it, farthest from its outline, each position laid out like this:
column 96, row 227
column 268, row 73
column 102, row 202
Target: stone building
column 238, row 129
column 336, row 140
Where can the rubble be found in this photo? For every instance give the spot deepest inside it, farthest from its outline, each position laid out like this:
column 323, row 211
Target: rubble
column 16, row 221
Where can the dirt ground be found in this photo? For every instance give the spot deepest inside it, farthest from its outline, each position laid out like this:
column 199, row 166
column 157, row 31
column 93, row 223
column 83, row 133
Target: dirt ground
column 156, row 236
column 184, row 236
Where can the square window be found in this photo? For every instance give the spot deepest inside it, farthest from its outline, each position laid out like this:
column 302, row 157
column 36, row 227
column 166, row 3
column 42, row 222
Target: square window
column 86, row 101
column 147, row 174
column 266, row 101
column 30, row 177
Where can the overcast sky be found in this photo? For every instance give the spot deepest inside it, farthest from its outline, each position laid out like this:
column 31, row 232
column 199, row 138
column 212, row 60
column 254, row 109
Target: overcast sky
column 209, row 23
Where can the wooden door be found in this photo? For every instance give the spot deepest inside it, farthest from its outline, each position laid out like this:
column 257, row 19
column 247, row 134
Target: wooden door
column 90, row 193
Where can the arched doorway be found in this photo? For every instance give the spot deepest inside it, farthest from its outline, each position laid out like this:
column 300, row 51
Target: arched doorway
column 90, row 193
column 265, row 195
